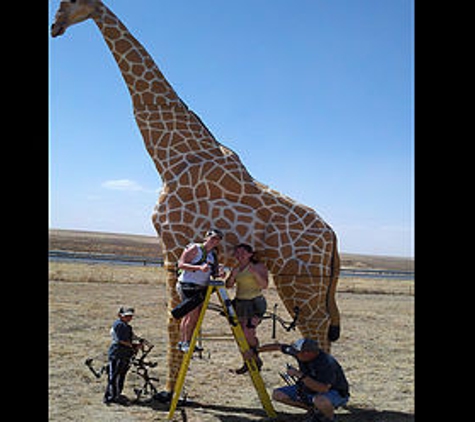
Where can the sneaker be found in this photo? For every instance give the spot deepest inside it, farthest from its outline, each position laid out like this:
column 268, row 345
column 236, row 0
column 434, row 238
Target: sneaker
column 122, row 400
column 243, row 369
column 184, row 346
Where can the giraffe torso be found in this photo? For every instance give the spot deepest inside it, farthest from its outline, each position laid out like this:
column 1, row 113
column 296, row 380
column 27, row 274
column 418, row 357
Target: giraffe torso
column 204, row 183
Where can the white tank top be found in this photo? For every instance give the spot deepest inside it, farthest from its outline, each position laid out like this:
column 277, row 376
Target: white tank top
column 198, row 276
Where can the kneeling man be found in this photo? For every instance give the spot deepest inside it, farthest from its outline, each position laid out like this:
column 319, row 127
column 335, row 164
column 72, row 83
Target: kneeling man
column 320, row 383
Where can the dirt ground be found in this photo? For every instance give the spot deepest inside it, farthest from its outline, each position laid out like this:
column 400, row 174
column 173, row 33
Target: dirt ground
column 376, row 349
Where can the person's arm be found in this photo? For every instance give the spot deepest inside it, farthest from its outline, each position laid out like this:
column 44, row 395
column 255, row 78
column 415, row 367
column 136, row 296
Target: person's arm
column 260, row 273
column 308, row 381
column 221, row 271
column 231, row 280
column 271, row 347
column 184, row 263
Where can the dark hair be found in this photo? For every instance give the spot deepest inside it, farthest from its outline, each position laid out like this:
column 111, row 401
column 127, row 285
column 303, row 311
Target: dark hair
column 248, row 249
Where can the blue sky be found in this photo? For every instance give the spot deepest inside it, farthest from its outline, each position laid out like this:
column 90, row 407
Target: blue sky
column 316, row 97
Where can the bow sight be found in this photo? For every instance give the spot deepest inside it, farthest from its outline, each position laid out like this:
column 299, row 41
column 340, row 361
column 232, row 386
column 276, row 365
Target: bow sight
column 286, row 325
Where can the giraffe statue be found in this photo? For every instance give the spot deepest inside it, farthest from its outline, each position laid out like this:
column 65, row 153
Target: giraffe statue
column 206, row 185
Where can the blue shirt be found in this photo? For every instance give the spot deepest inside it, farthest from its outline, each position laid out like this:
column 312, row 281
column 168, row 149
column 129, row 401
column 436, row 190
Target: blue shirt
column 121, row 331
column 324, row 368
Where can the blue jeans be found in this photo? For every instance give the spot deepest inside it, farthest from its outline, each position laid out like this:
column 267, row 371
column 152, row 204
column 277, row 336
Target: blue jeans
column 117, row 370
column 333, row 395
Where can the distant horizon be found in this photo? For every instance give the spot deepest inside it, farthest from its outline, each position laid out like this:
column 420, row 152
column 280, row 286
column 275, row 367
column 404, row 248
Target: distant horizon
column 156, row 236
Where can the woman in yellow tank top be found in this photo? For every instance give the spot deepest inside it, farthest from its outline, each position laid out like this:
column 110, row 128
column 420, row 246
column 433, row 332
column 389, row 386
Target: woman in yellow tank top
column 250, row 277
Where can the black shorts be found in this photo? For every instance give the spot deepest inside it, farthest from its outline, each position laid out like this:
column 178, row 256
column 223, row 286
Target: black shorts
column 250, row 308
column 188, row 290
column 192, row 295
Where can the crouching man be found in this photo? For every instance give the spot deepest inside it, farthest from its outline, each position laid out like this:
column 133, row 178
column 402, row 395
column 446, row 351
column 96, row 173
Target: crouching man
column 320, row 383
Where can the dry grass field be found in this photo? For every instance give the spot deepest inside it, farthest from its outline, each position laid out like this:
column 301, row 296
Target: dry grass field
column 149, row 246
column 110, row 243
column 376, row 349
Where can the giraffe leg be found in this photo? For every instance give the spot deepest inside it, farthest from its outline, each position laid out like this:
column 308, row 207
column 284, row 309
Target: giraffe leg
column 334, row 329
column 309, row 293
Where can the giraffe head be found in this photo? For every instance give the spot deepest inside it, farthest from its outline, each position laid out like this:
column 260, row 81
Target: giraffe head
column 71, row 12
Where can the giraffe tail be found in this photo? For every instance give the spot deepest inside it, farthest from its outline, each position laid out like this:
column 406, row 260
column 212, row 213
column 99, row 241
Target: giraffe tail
column 334, row 328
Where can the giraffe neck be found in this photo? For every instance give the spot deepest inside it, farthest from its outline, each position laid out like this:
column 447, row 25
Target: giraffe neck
column 174, row 136
column 145, row 82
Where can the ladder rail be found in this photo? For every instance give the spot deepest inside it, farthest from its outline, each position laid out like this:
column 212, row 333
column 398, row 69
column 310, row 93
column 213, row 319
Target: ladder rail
column 251, row 364
column 188, row 355
column 241, row 340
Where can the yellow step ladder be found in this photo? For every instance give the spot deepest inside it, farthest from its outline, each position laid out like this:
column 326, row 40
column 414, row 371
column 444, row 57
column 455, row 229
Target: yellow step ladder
column 230, row 313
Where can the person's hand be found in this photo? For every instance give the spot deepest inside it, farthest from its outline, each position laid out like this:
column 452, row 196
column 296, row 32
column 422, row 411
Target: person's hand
column 221, row 272
column 138, row 346
column 204, row 267
column 294, row 372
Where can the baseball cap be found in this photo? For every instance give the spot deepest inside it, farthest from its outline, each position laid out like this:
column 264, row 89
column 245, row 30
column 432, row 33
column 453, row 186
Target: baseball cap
column 124, row 311
column 305, row 345
column 214, row 232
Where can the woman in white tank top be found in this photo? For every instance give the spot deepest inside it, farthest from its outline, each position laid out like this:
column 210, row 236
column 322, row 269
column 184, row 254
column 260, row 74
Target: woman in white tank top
column 196, row 271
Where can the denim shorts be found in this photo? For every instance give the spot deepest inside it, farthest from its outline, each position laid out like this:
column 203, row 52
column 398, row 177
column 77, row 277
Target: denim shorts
column 333, row 395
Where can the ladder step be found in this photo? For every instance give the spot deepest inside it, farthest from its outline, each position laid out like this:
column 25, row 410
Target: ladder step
column 239, row 337
column 216, row 283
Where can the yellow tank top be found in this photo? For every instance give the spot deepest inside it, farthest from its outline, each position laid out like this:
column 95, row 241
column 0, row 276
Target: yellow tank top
column 246, row 285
